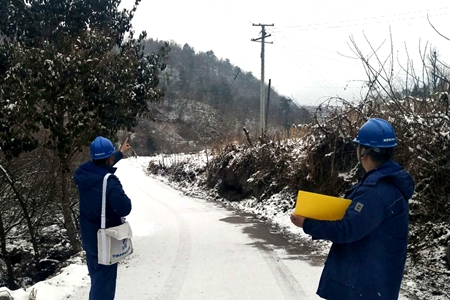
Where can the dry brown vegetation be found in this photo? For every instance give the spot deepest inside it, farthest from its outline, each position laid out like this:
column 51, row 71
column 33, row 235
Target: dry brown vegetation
column 321, row 157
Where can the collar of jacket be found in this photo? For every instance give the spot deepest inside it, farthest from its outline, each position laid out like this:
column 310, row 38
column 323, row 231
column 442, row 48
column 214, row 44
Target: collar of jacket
column 385, row 170
column 99, row 170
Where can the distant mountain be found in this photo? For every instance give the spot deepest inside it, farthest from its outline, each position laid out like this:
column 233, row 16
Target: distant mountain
column 209, row 101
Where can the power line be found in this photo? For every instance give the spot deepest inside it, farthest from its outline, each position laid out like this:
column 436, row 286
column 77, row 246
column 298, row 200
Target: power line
column 307, row 12
column 242, row 65
column 304, row 28
column 315, row 54
column 228, row 11
column 334, row 13
column 346, row 8
column 325, row 80
column 357, row 21
column 326, row 86
column 248, row 54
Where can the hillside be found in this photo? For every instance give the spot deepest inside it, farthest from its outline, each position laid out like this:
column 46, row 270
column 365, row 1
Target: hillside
column 208, row 101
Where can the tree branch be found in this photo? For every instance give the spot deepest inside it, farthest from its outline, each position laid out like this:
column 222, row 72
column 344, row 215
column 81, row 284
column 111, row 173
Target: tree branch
column 436, row 29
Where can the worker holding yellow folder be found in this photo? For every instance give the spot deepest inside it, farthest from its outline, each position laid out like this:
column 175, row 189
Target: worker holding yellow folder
column 320, row 207
column 369, row 228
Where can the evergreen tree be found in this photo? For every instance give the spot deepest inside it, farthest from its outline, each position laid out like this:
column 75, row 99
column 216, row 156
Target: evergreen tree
column 69, row 73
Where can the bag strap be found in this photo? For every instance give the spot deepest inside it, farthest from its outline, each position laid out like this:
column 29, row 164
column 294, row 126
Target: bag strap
column 105, row 182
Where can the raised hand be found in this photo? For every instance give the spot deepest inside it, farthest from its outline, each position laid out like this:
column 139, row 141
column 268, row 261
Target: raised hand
column 125, row 146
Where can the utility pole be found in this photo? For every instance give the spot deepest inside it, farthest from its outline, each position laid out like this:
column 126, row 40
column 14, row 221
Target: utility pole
column 267, row 106
column 262, row 113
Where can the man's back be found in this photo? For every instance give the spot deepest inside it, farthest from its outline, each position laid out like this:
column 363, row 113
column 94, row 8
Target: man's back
column 89, row 180
column 369, row 262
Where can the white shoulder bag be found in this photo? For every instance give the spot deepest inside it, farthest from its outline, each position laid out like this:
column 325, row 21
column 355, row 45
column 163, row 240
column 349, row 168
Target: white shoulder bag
column 114, row 243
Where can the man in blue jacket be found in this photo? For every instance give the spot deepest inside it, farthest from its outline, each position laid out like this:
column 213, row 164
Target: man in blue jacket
column 89, row 180
column 367, row 258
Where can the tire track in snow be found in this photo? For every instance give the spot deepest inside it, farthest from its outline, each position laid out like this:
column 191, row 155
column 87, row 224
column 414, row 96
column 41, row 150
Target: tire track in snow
column 173, row 284
column 178, row 272
column 286, row 281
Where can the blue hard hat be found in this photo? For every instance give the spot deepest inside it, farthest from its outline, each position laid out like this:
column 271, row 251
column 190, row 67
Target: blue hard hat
column 101, row 148
column 376, row 133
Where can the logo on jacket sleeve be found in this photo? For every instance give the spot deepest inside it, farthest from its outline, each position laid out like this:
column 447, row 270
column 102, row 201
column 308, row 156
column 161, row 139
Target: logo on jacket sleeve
column 359, row 206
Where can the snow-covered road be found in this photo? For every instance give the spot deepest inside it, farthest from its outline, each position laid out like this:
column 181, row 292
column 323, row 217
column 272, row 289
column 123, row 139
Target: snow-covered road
column 187, row 248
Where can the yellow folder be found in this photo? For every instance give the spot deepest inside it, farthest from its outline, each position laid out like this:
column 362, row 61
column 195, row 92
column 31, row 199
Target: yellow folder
column 320, row 207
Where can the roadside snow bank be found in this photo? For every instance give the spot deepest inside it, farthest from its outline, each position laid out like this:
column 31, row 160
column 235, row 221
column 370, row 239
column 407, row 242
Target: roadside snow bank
column 59, row 287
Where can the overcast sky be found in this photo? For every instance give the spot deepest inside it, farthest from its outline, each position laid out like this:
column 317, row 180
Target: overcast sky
column 309, row 58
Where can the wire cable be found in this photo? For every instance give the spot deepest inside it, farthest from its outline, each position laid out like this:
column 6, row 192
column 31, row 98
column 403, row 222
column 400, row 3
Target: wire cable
column 309, row 53
column 357, row 21
column 307, row 12
column 326, row 86
column 233, row 12
column 243, row 63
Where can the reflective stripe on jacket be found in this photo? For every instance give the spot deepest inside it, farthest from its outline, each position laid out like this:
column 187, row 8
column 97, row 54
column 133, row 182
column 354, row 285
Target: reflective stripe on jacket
column 89, row 180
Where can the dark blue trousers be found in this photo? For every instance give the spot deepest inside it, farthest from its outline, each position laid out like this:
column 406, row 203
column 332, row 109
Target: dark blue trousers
column 103, row 279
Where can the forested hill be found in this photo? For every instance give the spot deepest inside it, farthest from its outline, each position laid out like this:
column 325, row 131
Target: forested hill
column 207, row 101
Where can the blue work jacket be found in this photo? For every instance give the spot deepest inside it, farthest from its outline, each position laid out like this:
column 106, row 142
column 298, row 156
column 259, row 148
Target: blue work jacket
column 367, row 258
column 89, row 180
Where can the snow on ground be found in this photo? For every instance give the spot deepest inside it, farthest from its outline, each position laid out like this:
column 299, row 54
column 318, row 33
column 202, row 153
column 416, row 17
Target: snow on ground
column 267, row 210
column 59, row 287
column 157, row 270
